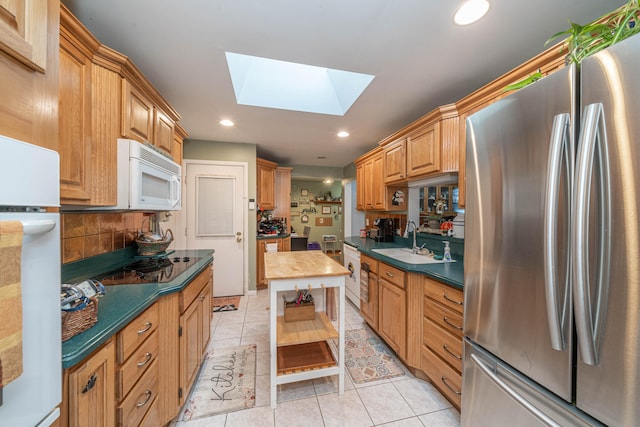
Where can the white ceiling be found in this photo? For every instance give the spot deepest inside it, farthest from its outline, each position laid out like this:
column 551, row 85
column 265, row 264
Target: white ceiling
column 419, row 58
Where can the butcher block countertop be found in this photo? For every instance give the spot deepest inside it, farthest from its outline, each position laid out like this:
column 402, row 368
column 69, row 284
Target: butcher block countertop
column 292, row 265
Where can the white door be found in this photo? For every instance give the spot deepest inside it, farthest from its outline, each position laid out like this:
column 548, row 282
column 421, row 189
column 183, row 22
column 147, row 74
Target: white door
column 216, row 194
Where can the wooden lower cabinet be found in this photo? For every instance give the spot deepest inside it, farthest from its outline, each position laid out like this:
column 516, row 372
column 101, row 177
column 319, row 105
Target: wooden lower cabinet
column 442, row 338
column 392, row 304
column 369, row 306
column 194, row 332
column 284, row 245
column 142, row 376
column 91, row 390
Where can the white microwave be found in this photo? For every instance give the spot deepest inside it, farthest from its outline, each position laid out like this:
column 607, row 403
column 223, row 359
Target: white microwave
column 147, row 180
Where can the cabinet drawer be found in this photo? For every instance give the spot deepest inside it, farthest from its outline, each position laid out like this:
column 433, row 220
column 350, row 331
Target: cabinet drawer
column 136, row 365
column 448, row 346
column 138, row 330
column 373, row 263
column 443, row 376
column 392, row 275
column 152, row 419
column 140, row 399
column 445, row 295
column 450, row 320
column 189, row 294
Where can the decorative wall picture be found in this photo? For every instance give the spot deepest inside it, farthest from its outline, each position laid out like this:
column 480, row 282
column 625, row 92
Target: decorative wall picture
column 304, row 192
column 304, row 218
column 303, row 202
column 294, row 204
column 339, row 210
column 326, row 210
column 324, row 222
column 398, row 198
column 295, row 213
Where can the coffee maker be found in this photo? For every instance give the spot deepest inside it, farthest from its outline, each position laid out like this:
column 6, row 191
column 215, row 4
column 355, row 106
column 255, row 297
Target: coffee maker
column 386, row 229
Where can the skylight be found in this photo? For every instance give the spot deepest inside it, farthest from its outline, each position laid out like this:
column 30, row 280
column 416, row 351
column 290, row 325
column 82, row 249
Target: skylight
column 271, row 83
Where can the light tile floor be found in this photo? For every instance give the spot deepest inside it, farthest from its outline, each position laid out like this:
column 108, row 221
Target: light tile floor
column 403, row 401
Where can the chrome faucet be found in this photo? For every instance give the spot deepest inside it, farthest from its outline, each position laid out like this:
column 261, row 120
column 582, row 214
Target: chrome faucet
column 414, row 248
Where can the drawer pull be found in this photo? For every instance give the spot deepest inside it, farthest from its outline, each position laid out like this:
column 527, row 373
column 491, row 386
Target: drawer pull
column 446, row 348
column 445, row 382
column 92, row 382
column 451, row 300
column 145, row 361
column 147, row 326
column 146, row 400
column 446, row 320
column 389, row 274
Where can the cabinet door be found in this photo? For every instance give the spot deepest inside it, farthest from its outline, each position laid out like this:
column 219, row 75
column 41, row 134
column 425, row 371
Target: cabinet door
column 378, row 187
column 92, row 390
column 137, row 114
column 23, row 32
column 163, row 131
column 266, row 187
column 369, row 308
column 395, row 161
column 74, row 114
column 360, row 187
column 190, row 341
column 176, row 150
column 205, row 323
column 368, row 184
column 423, row 151
column 286, row 244
column 392, row 320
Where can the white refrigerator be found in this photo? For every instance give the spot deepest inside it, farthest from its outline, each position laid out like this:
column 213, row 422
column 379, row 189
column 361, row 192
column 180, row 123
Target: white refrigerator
column 30, row 177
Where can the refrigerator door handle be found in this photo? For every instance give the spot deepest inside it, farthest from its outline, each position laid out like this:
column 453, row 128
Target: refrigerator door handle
column 557, row 306
column 493, row 376
column 590, row 318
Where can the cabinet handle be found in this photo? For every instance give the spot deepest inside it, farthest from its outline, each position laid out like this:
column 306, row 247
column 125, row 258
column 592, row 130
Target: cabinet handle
column 146, row 400
column 446, row 348
column 445, row 382
column 446, row 320
column 92, row 381
column 451, row 300
column 147, row 326
column 389, row 274
column 145, row 361
column 201, row 298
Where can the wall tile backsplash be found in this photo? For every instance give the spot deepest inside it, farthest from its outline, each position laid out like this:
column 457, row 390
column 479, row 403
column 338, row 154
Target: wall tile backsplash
column 88, row 234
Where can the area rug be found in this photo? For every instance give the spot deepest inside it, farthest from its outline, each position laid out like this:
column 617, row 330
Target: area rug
column 226, row 383
column 226, row 304
column 367, row 357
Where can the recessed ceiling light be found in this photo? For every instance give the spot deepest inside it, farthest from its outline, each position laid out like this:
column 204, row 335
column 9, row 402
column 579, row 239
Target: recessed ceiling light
column 226, row 122
column 471, row 11
column 321, row 157
column 328, row 181
column 343, row 134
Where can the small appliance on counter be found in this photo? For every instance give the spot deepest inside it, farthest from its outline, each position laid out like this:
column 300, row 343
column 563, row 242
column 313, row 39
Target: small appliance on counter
column 386, row 229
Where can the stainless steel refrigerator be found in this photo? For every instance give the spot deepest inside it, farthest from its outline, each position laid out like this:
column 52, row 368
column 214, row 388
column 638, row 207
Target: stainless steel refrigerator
column 552, row 250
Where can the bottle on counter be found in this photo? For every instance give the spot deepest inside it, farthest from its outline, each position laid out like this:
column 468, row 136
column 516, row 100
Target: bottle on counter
column 446, row 257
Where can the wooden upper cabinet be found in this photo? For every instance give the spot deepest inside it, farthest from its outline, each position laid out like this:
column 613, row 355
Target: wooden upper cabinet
column 378, row 188
column 266, row 174
column 423, row 151
column 360, row 186
column 282, row 191
column 163, row 131
column 395, row 165
column 23, row 32
column 137, row 114
column 74, row 114
column 178, row 138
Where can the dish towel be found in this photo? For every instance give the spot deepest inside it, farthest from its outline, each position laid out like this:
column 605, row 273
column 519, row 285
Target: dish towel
column 10, row 302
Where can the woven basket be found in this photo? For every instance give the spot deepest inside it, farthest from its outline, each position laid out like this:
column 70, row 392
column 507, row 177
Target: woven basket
column 74, row 322
column 153, row 248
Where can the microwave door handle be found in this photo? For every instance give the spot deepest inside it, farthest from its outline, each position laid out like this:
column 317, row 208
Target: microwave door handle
column 175, row 190
column 38, row 227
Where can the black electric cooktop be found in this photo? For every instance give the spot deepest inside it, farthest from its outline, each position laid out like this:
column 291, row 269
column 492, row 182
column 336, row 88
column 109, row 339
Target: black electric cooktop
column 148, row 270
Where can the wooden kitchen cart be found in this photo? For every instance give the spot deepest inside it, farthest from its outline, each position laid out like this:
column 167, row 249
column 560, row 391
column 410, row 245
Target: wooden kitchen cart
column 305, row 349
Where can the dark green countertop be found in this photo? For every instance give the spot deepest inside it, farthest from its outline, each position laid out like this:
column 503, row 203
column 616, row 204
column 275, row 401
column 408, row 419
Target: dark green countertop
column 122, row 303
column 450, row 273
column 272, row 236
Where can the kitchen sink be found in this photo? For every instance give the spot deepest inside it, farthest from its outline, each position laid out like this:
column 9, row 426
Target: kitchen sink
column 406, row 255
